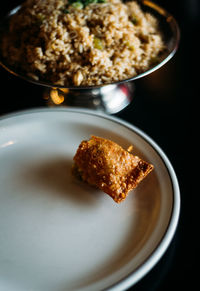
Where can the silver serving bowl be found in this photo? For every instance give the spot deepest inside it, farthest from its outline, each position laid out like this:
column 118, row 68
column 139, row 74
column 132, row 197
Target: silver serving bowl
column 113, row 97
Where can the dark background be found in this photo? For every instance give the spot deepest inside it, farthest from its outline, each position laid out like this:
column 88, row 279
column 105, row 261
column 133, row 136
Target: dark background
column 166, row 107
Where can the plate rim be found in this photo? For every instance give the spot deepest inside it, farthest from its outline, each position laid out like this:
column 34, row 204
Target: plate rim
column 133, row 277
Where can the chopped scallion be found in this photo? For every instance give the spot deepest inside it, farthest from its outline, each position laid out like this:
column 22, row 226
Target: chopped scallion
column 77, row 5
column 98, row 44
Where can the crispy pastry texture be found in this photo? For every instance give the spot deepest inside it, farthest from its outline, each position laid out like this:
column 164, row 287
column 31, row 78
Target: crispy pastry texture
column 106, row 165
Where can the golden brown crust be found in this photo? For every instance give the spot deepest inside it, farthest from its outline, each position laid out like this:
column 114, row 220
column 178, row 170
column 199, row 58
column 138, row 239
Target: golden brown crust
column 105, row 164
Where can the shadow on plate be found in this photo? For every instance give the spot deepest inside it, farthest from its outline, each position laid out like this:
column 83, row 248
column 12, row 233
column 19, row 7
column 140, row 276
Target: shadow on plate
column 54, row 178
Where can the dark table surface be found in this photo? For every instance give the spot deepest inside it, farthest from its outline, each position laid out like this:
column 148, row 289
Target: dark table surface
column 165, row 107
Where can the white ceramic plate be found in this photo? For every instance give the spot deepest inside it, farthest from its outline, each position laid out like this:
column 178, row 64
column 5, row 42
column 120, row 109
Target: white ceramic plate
column 58, row 234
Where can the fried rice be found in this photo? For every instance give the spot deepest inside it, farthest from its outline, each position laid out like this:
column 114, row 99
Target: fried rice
column 76, row 45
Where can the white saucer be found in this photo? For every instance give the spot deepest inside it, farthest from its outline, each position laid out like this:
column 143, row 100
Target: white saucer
column 58, row 234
